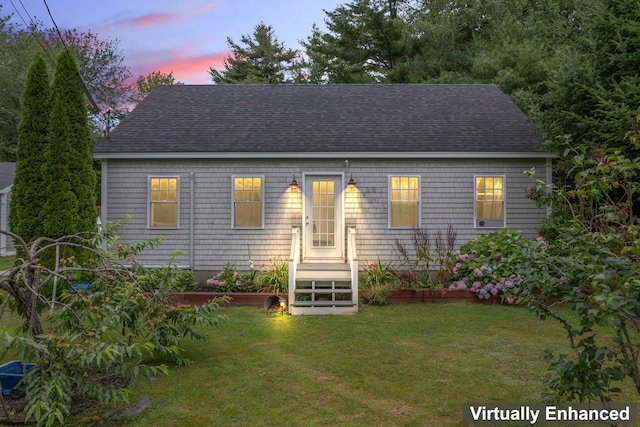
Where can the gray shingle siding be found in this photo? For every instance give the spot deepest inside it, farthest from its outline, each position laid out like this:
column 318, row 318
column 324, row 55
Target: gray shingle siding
column 447, row 192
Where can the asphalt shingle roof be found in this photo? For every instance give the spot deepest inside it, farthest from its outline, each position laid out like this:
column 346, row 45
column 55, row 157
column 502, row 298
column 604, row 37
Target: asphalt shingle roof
column 323, row 118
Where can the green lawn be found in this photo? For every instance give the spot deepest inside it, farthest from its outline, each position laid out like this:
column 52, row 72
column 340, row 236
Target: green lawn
column 6, row 262
column 396, row 365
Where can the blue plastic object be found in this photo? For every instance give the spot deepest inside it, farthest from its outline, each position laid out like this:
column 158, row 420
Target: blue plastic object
column 80, row 288
column 11, row 373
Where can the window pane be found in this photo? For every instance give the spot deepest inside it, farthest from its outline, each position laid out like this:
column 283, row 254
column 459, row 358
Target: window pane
column 164, row 215
column 404, row 214
column 248, row 214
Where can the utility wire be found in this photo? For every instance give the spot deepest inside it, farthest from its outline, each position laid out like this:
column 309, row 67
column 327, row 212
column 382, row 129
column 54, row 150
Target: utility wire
column 96, row 110
column 47, row 51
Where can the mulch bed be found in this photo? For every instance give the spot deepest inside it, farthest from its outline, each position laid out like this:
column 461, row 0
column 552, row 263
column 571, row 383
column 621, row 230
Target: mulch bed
column 12, row 407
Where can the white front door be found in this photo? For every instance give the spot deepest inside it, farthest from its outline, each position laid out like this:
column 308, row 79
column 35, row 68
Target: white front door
column 323, row 217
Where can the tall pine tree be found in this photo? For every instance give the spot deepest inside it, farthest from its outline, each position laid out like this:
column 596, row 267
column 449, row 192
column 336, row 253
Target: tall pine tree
column 264, row 60
column 70, row 206
column 29, row 192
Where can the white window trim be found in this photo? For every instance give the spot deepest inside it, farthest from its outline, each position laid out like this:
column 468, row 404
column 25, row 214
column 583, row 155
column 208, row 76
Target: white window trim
column 233, row 202
column 504, row 202
column 155, row 227
column 389, row 200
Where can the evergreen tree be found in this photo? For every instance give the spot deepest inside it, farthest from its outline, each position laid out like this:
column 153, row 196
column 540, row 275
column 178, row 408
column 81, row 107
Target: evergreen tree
column 263, row 60
column 70, row 207
column 366, row 43
column 29, row 191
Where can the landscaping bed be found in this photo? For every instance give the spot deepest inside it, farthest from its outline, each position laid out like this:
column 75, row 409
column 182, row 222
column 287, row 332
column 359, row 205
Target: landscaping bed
column 397, row 296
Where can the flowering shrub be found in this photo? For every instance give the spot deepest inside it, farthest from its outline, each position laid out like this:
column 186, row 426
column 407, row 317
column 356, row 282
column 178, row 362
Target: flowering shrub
column 487, row 264
column 231, row 280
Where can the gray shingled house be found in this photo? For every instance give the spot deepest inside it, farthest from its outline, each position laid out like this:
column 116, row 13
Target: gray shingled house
column 7, row 173
column 322, row 175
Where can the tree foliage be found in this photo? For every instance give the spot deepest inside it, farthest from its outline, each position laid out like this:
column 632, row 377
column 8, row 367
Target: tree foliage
column 70, row 205
column 365, row 43
column 117, row 331
column 145, row 84
column 262, row 59
column 100, row 64
column 592, row 269
column 29, row 191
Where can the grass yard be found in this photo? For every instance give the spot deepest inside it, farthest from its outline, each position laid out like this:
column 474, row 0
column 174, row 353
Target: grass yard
column 396, row 365
column 6, row 262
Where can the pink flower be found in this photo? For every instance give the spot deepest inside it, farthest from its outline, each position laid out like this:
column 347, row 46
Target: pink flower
column 490, row 244
column 372, row 266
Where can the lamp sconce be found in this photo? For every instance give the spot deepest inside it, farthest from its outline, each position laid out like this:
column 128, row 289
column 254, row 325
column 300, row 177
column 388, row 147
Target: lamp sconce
column 351, row 185
column 293, row 187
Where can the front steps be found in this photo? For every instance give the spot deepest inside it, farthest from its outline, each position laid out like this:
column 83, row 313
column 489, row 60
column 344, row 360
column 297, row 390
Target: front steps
column 323, row 288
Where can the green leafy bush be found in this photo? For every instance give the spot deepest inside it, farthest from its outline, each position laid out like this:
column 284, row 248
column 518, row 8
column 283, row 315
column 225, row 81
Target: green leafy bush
column 274, row 277
column 378, row 279
column 169, row 278
column 123, row 328
column 592, row 268
column 489, row 264
column 231, row 280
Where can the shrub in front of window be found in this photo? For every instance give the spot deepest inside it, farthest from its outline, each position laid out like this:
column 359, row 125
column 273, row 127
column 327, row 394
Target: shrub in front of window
column 487, row 265
column 230, row 279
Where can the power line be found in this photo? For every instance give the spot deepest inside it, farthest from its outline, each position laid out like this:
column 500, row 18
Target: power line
column 33, row 26
column 78, row 76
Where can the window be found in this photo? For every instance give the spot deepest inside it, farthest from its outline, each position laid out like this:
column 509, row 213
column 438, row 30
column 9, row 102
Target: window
column 489, row 201
column 163, row 202
column 247, row 202
column 404, row 201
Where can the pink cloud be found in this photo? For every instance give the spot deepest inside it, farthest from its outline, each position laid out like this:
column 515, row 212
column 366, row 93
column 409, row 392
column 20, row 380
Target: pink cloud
column 162, row 18
column 186, row 69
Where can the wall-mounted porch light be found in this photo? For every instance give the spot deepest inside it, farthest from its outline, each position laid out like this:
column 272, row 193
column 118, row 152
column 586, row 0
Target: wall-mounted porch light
column 293, row 187
column 351, row 185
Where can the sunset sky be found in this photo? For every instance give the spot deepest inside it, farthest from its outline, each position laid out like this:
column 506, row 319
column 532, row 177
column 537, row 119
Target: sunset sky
column 185, row 37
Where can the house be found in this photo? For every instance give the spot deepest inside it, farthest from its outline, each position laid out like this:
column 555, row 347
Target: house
column 7, row 173
column 324, row 175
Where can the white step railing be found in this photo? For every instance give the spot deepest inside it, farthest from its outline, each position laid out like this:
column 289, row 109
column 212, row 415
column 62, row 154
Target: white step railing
column 294, row 259
column 352, row 259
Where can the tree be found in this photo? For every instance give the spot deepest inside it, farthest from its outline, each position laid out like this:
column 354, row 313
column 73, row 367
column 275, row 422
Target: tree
column 263, row 60
column 16, row 54
column 119, row 330
column 100, row 63
column 29, row 191
column 594, row 94
column 144, row 85
column 592, row 268
column 367, row 43
column 70, row 206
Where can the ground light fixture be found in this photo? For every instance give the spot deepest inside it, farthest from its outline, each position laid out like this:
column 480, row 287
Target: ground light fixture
column 276, row 302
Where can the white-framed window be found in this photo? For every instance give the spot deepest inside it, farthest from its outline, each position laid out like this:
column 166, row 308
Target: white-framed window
column 489, row 201
column 248, row 201
column 164, row 201
column 404, row 201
